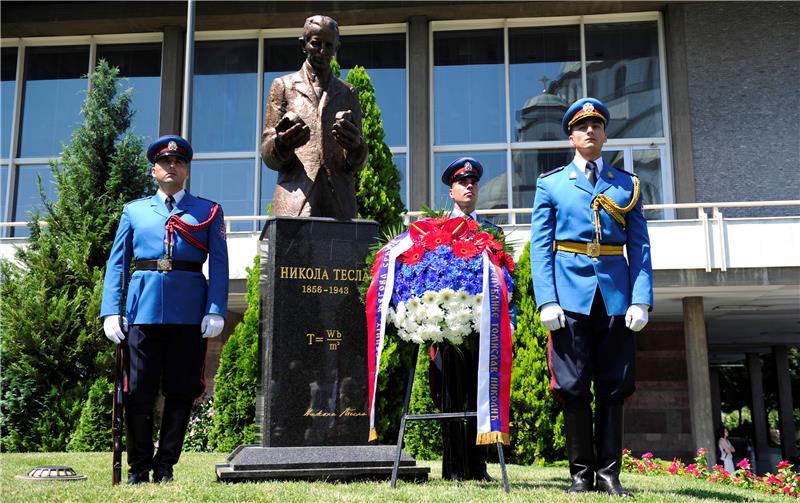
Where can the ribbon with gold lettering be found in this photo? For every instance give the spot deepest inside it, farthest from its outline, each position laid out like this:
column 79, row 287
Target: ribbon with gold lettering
column 378, row 297
column 494, row 358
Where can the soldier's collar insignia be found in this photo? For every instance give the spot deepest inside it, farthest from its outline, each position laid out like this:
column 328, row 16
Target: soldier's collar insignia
column 610, row 174
column 573, row 175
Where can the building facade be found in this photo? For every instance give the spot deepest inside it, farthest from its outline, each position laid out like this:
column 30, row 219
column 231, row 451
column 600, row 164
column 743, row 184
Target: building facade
column 702, row 96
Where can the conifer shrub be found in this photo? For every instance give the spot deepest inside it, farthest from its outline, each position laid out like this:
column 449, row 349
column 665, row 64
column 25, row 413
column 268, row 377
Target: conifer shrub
column 537, row 423
column 51, row 339
column 94, row 427
column 234, row 419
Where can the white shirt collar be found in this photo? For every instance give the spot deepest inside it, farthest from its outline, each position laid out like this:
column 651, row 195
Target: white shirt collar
column 580, row 162
column 458, row 213
column 177, row 196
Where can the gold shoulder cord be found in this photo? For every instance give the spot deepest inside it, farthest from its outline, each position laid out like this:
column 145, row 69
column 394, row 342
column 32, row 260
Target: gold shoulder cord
column 611, row 207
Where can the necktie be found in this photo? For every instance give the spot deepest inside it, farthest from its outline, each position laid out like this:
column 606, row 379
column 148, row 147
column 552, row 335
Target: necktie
column 592, row 168
column 170, row 202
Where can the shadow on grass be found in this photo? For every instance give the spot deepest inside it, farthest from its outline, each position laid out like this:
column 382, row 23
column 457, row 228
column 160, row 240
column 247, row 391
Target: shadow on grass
column 552, row 484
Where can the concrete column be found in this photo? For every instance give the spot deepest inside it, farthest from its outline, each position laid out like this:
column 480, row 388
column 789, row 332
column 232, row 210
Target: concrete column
column 785, row 407
column 694, row 328
column 171, row 81
column 680, row 109
column 716, row 405
column 419, row 117
column 758, row 412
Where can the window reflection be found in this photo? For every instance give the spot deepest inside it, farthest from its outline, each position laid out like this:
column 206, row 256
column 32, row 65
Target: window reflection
column 527, row 166
column 54, row 92
column 228, row 182
column 544, row 78
column 269, row 178
column 384, row 59
column 493, row 187
column 140, row 69
column 224, row 96
column 399, row 161
column 8, row 75
column 622, row 70
column 28, row 198
column 647, row 166
column 469, row 87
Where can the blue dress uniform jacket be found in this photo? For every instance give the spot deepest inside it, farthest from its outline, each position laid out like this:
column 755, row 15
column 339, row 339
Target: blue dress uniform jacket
column 174, row 297
column 562, row 212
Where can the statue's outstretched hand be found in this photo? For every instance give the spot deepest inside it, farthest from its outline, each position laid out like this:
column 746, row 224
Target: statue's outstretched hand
column 345, row 132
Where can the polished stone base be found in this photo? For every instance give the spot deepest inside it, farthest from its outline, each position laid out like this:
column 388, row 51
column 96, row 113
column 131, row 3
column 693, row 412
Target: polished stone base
column 252, row 463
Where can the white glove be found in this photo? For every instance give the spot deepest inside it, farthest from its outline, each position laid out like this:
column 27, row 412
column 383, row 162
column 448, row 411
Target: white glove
column 212, row 324
column 113, row 328
column 636, row 317
column 552, row 316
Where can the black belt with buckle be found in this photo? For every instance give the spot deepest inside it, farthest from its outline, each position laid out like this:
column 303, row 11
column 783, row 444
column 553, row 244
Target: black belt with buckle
column 165, row 264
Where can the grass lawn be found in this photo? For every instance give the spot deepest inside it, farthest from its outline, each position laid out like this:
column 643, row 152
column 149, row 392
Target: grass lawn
column 196, row 481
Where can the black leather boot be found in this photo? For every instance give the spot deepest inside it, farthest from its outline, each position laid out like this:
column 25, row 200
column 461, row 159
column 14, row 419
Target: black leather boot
column 608, row 435
column 453, row 451
column 139, row 440
column 580, row 446
column 174, row 421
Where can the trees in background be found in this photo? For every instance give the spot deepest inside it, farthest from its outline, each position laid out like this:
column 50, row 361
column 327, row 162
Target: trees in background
column 53, row 348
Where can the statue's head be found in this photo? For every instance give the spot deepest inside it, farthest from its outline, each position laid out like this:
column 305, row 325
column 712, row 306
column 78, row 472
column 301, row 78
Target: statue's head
column 320, row 41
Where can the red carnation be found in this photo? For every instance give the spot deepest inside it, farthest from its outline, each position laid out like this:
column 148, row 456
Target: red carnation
column 412, row 255
column 506, row 260
column 437, row 238
column 464, row 249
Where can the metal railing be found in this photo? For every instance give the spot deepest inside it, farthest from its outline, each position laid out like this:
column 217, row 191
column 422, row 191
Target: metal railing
column 701, row 208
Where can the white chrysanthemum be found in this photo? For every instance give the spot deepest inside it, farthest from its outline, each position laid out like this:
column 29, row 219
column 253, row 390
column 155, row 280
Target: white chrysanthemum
column 429, row 331
column 434, row 314
column 430, row 297
column 446, row 295
column 463, row 296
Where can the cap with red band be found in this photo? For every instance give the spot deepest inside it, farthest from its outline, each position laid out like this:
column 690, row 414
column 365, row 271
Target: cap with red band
column 170, row 145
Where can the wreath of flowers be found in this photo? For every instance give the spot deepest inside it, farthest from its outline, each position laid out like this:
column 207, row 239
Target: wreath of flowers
column 438, row 282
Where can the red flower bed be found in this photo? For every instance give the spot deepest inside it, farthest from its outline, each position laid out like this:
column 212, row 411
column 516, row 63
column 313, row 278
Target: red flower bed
column 784, row 481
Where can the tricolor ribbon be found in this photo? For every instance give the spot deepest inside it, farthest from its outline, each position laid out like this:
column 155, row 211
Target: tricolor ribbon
column 378, row 297
column 494, row 357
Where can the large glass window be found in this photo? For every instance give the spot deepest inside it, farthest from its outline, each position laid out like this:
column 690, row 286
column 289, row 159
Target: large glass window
column 469, row 87
column 622, row 70
column 544, row 76
column 384, row 59
column 547, row 66
column 230, row 182
column 54, row 92
column 140, row 67
column 224, row 96
column 28, row 197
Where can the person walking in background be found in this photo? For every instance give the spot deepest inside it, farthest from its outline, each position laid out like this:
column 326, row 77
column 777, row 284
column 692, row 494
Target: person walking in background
column 170, row 306
column 726, row 450
column 590, row 297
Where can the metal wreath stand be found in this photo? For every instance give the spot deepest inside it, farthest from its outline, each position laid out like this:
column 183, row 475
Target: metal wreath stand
column 443, row 416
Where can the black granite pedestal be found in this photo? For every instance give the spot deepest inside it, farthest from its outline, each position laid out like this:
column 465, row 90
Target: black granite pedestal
column 311, row 401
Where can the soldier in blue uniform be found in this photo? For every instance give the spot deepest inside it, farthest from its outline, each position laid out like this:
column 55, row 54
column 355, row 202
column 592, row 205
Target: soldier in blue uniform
column 170, row 307
column 453, row 372
column 586, row 217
